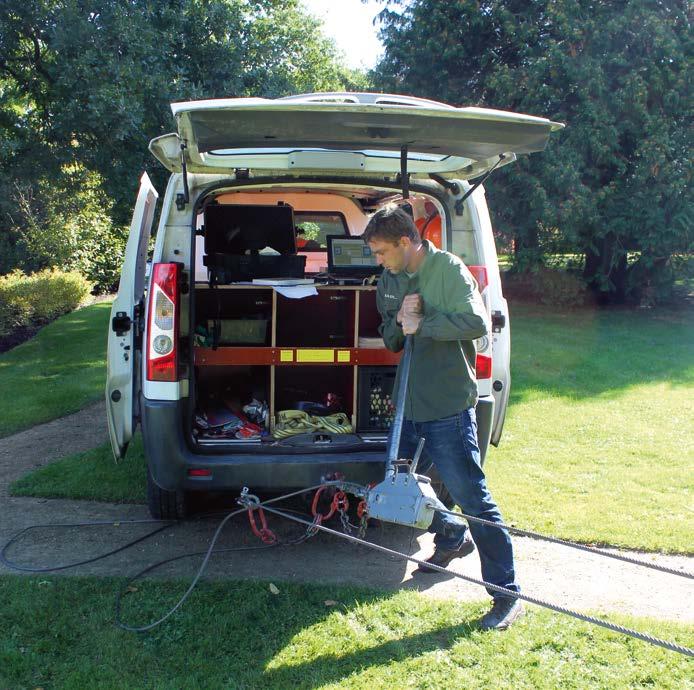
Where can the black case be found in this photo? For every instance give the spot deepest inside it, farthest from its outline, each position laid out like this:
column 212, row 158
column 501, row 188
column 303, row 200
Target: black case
column 229, row 268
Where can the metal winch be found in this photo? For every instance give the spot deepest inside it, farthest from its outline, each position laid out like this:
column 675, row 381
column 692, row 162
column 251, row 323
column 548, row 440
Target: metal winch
column 403, row 497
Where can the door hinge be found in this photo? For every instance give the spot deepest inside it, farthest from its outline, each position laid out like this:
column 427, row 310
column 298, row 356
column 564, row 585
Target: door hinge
column 121, row 323
column 498, row 321
column 139, row 319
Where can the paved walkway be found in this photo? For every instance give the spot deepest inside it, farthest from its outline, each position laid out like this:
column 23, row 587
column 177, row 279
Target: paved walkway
column 564, row 576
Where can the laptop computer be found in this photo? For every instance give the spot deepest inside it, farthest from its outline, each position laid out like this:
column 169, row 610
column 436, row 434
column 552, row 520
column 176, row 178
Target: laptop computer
column 350, row 260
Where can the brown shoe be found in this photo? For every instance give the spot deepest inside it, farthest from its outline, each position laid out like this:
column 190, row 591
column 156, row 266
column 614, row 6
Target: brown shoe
column 443, row 557
column 502, row 614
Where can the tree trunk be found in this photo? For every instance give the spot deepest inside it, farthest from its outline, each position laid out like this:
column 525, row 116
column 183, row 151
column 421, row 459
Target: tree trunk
column 605, row 271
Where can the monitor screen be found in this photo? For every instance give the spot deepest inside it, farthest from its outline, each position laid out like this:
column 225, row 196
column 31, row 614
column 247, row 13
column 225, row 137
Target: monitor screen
column 348, row 255
column 240, row 229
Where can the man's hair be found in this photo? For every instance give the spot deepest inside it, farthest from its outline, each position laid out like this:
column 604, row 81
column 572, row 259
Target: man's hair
column 390, row 223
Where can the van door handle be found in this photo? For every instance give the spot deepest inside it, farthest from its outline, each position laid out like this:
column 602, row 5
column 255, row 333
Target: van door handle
column 121, row 323
column 498, row 321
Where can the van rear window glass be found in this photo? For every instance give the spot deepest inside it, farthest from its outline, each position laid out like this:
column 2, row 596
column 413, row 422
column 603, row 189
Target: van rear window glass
column 313, row 228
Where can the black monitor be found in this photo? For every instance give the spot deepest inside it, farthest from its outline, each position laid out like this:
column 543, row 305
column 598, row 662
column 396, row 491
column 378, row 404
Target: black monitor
column 350, row 257
column 241, row 229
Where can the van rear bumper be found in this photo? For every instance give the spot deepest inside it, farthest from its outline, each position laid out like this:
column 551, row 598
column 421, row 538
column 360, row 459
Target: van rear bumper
column 169, row 457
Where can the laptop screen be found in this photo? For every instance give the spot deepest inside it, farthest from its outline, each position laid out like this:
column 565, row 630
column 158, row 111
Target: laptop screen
column 350, row 256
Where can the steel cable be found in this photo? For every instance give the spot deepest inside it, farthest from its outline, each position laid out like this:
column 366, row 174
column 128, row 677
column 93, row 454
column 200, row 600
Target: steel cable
column 502, row 590
column 571, row 544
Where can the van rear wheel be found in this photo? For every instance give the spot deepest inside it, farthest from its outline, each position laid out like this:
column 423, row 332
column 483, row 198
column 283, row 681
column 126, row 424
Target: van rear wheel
column 165, row 505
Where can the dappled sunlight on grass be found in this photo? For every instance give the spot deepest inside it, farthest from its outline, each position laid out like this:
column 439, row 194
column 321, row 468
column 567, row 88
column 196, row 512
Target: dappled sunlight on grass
column 241, row 635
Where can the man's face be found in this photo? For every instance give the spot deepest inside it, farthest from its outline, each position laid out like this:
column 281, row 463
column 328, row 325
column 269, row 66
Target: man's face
column 392, row 256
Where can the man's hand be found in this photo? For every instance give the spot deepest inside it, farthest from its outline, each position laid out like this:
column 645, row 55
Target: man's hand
column 410, row 323
column 412, row 305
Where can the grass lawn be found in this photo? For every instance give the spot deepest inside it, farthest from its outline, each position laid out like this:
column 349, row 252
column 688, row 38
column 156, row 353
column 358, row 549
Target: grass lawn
column 57, row 372
column 598, row 442
column 59, row 632
column 92, row 476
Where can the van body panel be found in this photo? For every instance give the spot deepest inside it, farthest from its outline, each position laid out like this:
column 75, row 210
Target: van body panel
column 122, row 382
column 170, row 457
column 331, row 153
column 217, row 134
column 501, row 332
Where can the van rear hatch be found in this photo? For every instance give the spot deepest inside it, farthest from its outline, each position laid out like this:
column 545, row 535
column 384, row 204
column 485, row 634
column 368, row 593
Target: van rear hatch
column 359, row 138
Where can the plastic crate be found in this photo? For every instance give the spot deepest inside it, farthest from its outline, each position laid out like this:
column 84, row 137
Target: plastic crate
column 376, row 408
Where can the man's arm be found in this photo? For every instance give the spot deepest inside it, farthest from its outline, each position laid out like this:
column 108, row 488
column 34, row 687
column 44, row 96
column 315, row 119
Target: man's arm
column 390, row 330
column 465, row 317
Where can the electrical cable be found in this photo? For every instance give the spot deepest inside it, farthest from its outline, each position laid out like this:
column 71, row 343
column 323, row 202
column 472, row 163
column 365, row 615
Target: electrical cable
column 203, row 565
column 251, row 503
column 113, row 523
column 210, row 551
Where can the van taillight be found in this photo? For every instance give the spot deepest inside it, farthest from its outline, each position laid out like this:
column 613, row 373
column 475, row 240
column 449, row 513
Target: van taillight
column 480, row 275
column 162, row 324
column 483, row 367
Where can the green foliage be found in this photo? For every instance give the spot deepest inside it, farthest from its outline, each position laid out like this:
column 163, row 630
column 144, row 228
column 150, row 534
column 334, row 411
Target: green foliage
column 97, row 84
column 83, row 89
column 57, row 372
column 311, row 231
column 618, row 178
column 33, row 300
column 63, row 220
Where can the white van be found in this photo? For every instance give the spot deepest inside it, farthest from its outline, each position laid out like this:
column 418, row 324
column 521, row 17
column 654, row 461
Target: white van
column 205, row 359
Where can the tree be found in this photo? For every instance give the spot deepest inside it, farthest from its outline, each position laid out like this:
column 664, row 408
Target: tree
column 90, row 83
column 617, row 180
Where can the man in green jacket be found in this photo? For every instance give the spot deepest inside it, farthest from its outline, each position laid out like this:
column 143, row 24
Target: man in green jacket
column 430, row 294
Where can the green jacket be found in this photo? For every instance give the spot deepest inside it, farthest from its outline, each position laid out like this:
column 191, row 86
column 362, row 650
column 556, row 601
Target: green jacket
column 442, row 375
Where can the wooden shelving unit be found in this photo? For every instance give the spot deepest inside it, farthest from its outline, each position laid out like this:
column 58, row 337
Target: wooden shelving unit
column 301, row 333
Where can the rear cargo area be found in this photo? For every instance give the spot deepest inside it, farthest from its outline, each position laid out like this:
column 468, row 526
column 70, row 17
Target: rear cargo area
column 280, row 368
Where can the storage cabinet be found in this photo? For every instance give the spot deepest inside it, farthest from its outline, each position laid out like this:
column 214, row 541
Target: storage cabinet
column 311, row 346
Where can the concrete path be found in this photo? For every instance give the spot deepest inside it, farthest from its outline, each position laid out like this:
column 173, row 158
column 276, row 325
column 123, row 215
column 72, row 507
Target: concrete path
column 561, row 575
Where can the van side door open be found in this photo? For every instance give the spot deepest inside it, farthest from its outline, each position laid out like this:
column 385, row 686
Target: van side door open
column 124, row 334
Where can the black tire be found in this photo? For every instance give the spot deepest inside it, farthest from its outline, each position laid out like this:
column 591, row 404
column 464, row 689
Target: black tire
column 165, row 505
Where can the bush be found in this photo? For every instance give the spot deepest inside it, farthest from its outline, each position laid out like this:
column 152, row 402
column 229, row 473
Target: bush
column 63, row 221
column 34, row 300
column 547, row 286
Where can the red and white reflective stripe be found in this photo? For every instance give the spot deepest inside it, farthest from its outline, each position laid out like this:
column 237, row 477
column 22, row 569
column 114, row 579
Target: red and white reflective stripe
column 483, row 367
column 162, row 324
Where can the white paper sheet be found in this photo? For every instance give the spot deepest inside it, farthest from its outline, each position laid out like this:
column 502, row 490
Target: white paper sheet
column 296, row 291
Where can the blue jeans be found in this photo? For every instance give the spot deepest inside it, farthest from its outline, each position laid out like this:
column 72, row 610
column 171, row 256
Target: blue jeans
column 451, row 446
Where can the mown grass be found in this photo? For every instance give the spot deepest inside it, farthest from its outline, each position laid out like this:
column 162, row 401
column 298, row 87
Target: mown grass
column 91, row 476
column 57, row 372
column 598, row 444
column 59, row 632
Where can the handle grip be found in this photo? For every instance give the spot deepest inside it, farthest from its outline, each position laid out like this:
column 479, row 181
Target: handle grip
column 396, row 430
